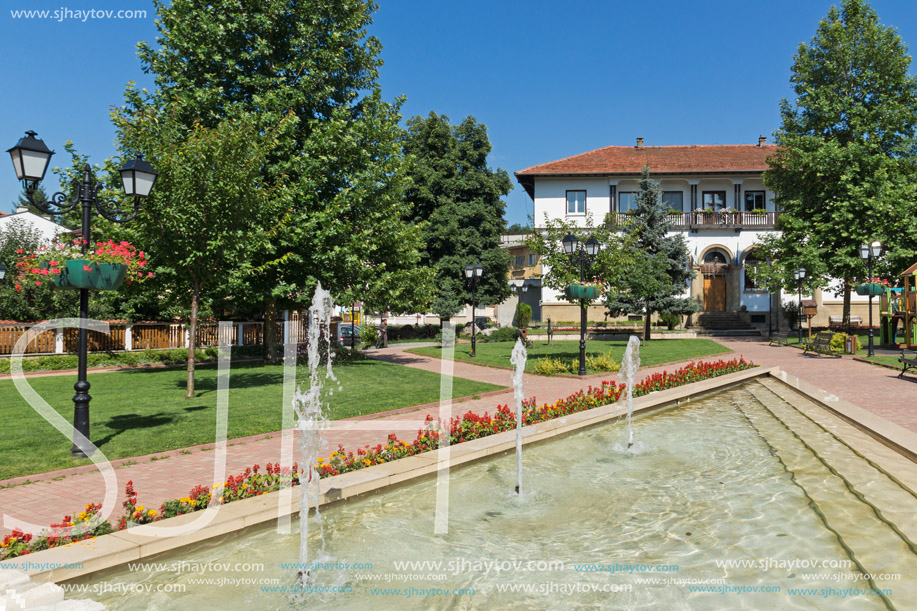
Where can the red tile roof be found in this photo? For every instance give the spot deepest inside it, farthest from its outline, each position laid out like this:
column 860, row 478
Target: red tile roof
column 660, row 159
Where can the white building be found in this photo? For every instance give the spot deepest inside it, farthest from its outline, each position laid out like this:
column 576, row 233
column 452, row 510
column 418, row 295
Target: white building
column 47, row 229
column 717, row 199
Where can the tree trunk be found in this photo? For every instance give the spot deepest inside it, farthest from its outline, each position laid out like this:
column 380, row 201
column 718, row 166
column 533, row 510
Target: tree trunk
column 846, row 321
column 192, row 338
column 647, row 326
column 270, row 330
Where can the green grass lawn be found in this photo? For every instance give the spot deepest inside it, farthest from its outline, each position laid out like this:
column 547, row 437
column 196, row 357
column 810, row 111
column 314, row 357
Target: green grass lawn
column 652, row 353
column 144, row 411
column 889, row 360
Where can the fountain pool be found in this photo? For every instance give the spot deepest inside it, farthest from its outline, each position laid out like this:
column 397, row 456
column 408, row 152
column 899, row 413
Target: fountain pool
column 733, row 492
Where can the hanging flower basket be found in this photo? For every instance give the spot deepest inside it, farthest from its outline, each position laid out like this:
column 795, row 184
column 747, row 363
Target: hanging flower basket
column 578, row 291
column 78, row 274
column 870, row 289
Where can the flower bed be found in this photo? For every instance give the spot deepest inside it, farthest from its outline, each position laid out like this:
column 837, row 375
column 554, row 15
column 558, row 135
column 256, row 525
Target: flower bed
column 252, row 483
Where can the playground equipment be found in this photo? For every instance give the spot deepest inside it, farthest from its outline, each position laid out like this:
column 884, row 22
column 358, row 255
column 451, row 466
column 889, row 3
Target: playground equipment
column 899, row 305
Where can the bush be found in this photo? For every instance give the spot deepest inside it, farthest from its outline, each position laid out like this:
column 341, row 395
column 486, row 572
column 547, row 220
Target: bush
column 548, row 366
column 368, row 335
column 523, row 315
column 670, row 320
column 503, row 334
column 839, row 341
column 602, row 362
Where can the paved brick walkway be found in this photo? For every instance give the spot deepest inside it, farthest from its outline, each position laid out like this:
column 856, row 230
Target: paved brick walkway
column 875, row 389
column 60, row 493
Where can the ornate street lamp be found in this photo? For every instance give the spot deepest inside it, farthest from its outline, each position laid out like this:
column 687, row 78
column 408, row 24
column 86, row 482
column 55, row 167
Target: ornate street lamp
column 869, row 253
column 472, row 274
column 800, row 275
column 590, row 249
column 30, row 159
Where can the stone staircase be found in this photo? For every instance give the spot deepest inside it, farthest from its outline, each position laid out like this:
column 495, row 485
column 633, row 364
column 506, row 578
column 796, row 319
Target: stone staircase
column 723, row 324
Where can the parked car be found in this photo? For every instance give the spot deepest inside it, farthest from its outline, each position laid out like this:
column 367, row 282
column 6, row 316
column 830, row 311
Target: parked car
column 345, row 338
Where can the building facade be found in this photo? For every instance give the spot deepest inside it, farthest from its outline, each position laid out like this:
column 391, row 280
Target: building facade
column 716, row 199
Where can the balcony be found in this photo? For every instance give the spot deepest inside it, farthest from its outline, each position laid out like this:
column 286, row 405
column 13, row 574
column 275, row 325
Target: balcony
column 700, row 219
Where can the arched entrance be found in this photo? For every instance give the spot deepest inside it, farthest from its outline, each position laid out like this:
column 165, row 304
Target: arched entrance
column 714, row 269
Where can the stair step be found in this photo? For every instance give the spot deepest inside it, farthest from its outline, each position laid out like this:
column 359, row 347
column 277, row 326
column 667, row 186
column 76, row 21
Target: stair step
column 842, row 493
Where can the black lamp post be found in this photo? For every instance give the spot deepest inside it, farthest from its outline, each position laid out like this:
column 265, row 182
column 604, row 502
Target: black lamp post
column 472, row 273
column 800, row 275
column 869, row 253
column 30, row 159
column 590, row 249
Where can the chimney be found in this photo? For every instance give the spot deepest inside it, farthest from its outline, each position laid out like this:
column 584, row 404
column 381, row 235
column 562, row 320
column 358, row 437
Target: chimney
column 20, row 209
column 762, row 140
column 639, row 143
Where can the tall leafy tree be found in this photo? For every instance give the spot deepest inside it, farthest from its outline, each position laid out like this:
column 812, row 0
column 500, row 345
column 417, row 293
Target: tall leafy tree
column 844, row 169
column 457, row 201
column 209, row 214
column 345, row 223
column 659, row 267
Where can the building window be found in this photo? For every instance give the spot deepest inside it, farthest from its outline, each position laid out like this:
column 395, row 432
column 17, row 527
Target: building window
column 533, row 259
column 715, row 257
column 754, row 200
column 751, row 265
column 519, row 261
column 714, row 200
column 627, row 201
column 673, row 200
column 576, row 202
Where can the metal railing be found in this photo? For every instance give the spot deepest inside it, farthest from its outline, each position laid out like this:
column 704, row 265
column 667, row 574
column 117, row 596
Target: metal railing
column 700, row 219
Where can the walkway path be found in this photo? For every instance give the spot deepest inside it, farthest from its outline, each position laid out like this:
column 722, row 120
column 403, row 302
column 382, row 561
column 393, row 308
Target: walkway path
column 63, row 492
column 875, row 389
column 60, row 493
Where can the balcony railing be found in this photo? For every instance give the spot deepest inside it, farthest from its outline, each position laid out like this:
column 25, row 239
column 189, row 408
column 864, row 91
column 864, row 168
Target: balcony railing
column 700, row 219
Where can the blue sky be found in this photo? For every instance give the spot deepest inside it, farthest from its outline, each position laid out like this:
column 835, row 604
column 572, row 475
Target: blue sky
column 549, row 79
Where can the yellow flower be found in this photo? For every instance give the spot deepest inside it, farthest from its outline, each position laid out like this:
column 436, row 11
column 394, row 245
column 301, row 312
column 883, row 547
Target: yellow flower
column 152, row 513
column 220, row 499
column 333, row 454
column 321, row 460
column 366, row 462
column 140, row 508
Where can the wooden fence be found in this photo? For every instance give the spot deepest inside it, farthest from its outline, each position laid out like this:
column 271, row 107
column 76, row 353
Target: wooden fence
column 147, row 336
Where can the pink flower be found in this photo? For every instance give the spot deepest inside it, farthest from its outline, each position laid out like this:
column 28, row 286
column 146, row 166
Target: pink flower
column 149, row 274
column 86, row 268
column 37, row 283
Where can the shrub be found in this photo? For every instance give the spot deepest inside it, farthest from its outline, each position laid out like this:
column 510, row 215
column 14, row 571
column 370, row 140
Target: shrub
column 839, row 341
column 503, row 334
column 670, row 320
column 602, row 362
column 523, row 315
column 548, row 366
column 368, row 335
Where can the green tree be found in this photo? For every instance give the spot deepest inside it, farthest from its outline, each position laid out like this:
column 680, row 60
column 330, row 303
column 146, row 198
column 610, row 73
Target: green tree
column 843, row 172
column 777, row 270
column 345, row 218
column 659, row 267
column 457, row 201
column 562, row 270
column 210, row 212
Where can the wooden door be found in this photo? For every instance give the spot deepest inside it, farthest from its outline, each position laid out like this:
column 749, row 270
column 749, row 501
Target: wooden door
column 714, row 293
